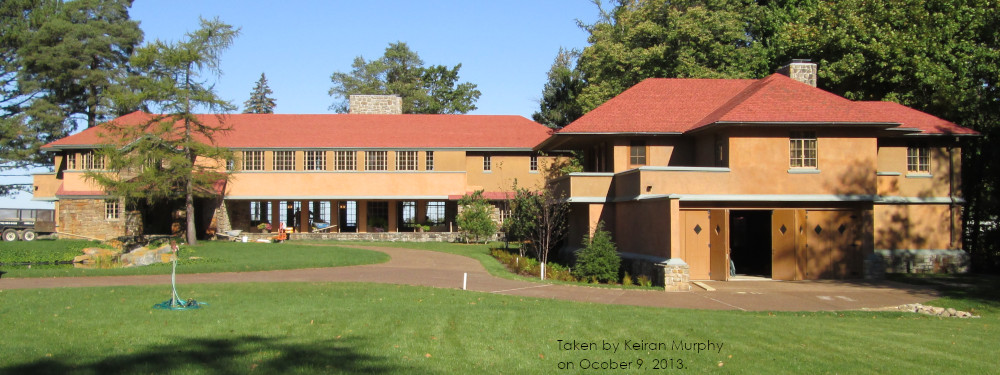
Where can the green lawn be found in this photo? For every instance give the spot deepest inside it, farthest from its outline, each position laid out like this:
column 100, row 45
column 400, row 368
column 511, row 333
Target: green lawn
column 370, row 328
column 212, row 257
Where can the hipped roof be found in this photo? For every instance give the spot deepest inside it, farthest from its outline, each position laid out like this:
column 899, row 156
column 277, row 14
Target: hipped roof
column 347, row 131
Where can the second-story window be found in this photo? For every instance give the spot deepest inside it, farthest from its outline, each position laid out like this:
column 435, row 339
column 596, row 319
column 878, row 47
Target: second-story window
column 375, row 160
column 406, row 160
column 253, row 160
column 487, row 163
column 93, row 161
column 284, row 160
column 637, row 153
column 71, row 161
column 429, row 161
column 346, row 161
column 802, row 150
column 533, row 163
column 918, row 159
column 315, row 160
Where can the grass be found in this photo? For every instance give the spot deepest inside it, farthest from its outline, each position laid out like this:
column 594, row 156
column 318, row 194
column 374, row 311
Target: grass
column 214, row 257
column 369, row 328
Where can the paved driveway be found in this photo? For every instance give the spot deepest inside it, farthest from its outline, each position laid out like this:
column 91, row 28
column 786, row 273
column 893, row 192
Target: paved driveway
column 442, row 270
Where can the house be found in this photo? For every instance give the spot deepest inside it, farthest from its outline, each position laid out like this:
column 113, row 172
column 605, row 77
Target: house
column 772, row 177
column 373, row 170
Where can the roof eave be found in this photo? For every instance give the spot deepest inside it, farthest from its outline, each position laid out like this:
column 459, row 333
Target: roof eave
column 720, row 124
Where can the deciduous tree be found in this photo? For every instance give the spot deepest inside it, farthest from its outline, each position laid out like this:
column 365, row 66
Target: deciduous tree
column 400, row 71
column 475, row 218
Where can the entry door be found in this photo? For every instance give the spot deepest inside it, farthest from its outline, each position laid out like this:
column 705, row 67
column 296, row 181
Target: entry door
column 697, row 229
column 783, row 230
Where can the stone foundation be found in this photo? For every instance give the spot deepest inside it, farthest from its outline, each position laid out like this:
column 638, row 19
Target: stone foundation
column 921, row 261
column 382, row 236
column 86, row 217
column 676, row 276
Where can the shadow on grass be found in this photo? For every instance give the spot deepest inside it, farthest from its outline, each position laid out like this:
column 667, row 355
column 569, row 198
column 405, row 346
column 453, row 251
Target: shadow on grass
column 984, row 289
column 237, row 355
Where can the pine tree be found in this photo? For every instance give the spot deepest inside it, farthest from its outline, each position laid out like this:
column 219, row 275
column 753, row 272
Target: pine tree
column 260, row 100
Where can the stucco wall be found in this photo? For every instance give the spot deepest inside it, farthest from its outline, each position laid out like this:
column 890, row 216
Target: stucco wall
column 913, row 226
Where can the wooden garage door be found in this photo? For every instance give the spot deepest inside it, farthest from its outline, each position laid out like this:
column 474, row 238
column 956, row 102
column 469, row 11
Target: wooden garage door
column 783, row 259
column 833, row 245
column 696, row 236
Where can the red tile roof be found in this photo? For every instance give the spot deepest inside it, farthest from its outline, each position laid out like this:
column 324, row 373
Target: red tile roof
column 914, row 119
column 665, row 105
column 353, row 131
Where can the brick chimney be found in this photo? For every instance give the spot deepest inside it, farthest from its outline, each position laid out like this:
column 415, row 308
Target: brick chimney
column 802, row 70
column 375, row 105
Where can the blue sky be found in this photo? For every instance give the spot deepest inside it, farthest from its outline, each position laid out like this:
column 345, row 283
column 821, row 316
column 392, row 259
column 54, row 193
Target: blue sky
column 505, row 47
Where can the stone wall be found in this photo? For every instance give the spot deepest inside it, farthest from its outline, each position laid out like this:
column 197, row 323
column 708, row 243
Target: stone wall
column 375, row 104
column 86, row 217
column 676, row 276
column 382, row 236
column 923, row 261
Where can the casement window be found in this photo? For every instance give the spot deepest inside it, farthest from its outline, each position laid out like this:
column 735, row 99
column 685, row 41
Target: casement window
column 315, row 160
column 71, row 161
column 487, row 163
column 406, row 160
column 375, row 160
column 350, row 213
column 253, row 160
column 260, row 212
column 435, row 213
column 802, row 150
column 284, row 160
column 918, row 159
column 346, row 161
column 637, row 153
column 533, row 163
column 429, row 160
column 409, row 212
column 230, row 165
column 112, row 209
column 92, row 161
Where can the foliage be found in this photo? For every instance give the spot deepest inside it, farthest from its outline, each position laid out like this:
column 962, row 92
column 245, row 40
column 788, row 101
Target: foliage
column 644, row 280
column 627, row 280
column 550, row 224
column 260, row 99
column 156, row 160
column 599, row 258
column 475, row 216
column 559, row 106
column 524, row 206
column 43, row 250
column 526, row 266
column 400, row 71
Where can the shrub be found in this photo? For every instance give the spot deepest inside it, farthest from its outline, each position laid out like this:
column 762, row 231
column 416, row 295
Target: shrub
column 627, row 280
column 644, row 281
column 475, row 220
column 599, row 260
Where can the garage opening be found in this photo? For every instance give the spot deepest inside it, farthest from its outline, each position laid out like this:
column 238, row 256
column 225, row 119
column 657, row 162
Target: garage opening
column 750, row 242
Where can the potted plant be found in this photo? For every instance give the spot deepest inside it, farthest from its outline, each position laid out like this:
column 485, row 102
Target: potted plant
column 264, row 227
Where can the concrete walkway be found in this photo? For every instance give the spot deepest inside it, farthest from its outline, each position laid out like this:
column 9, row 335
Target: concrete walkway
column 442, row 270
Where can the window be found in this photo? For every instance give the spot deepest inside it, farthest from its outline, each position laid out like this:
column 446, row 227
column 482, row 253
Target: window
column 253, row 160
column 92, row 161
column 378, row 216
column 315, row 160
column 260, row 212
column 487, row 163
column 350, row 213
column 637, row 153
column 406, row 160
column 71, row 161
column 918, row 159
column 230, row 164
column 284, row 160
column 429, row 161
column 346, row 161
column 375, row 160
column 802, row 150
column 435, row 213
column 409, row 212
column 533, row 163
column 112, row 209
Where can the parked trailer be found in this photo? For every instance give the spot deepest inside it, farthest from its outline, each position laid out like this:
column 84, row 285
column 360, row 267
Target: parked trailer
column 26, row 223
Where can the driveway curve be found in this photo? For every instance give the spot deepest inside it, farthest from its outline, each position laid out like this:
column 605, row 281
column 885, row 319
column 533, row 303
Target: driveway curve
column 443, row 270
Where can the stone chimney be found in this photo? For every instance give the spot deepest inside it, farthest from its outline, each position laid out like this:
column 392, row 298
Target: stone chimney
column 375, row 104
column 802, row 70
